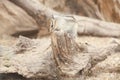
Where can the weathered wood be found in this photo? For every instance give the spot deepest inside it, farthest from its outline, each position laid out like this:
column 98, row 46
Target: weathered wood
column 97, row 27
column 34, row 58
column 15, row 21
column 38, row 11
column 86, row 25
column 74, row 59
column 27, row 57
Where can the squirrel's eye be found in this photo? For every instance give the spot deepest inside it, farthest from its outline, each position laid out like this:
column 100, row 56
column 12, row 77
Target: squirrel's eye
column 52, row 26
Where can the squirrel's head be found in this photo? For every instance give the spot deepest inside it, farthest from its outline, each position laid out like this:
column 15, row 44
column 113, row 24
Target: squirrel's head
column 52, row 24
column 57, row 21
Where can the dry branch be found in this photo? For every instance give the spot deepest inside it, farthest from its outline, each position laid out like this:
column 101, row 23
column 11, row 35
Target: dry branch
column 86, row 25
column 38, row 11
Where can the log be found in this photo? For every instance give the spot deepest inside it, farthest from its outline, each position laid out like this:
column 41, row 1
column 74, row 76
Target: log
column 75, row 59
column 87, row 26
column 27, row 57
column 32, row 58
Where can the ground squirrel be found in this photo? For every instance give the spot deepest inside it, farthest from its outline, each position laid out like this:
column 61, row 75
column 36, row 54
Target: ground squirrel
column 66, row 23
